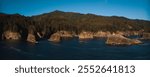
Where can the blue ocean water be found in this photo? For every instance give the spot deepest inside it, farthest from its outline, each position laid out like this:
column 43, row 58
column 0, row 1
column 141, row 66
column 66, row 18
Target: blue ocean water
column 73, row 49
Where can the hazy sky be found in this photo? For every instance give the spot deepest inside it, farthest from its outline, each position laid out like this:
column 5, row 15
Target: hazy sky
column 135, row 9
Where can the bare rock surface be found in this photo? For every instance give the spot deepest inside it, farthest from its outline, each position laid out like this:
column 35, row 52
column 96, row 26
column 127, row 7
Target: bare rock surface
column 101, row 34
column 9, row 35
column 86, row 35
column 55, row 37
column 121, row 40
column 31, row 38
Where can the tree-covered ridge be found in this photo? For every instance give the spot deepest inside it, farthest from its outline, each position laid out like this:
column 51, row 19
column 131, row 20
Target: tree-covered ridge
column 77, row 22
column 49, row 23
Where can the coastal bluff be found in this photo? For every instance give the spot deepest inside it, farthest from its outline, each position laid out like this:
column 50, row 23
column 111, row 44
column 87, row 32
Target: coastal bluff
column 121, row 40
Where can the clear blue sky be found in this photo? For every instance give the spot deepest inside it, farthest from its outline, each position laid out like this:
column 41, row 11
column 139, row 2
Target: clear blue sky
column 135, row 9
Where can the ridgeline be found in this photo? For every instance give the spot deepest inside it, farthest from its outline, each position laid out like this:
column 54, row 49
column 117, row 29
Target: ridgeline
column 18, row 27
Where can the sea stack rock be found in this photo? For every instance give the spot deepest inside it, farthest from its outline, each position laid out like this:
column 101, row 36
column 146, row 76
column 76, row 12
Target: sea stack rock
column 121, row 40
column 55, row 37
column 85, row 35
column 9, row 35
column 31, row 38
column 146, row 36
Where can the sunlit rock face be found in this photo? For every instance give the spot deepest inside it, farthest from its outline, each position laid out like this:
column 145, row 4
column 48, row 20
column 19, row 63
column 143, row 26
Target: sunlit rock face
column 146, row 36
column 121, row 40
column 31, row 38
column 85, row 35
column 65, row 34
column 101, row 34
column 55, row 37
column 9, row 35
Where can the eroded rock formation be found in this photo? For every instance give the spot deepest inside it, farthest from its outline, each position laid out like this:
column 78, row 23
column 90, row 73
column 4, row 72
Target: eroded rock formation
column 101, row 34
column 121, row 40
column 9, row 35
column 31, row 38
column 55, row 37
column 65, row 34
column 86, row 35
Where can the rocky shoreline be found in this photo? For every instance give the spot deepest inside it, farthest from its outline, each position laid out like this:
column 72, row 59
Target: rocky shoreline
column 58, row 25
column 112, row 38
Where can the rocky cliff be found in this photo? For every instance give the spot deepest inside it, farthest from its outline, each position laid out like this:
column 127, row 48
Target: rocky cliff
column 102, row 34
column 9, row 35
column 31, row 38
column 55, row 37
column 85, row 35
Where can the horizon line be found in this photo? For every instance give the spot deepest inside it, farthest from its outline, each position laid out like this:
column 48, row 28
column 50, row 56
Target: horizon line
column 78, row 13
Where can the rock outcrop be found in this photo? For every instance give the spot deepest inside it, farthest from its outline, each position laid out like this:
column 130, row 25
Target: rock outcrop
column 55, row 37
column 9, row 35
column 31, row 38
column 101, row 34
column 65, row 34
column 146, row 36
column 121, row 40
column 85, row 35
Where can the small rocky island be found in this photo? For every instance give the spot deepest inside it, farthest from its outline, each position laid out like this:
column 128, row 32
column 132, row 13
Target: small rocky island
column 121, row 40
column 55, row 26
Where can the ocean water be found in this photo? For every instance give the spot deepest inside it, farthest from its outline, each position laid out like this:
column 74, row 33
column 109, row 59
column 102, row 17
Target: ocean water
column 72, row 49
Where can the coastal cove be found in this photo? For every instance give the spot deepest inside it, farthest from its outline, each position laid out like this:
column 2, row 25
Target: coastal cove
column 73, row 49
column 62, row 35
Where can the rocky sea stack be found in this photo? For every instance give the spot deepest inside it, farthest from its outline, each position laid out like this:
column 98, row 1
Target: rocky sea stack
column 121, row 40
column 55, row 37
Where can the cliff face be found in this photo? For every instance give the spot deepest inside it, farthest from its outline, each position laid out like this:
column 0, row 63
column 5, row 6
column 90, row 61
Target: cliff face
column 102, row 34
column 65, row 34
column 9, row 35
column 86, row 35
column 31, row 38
column 16, row 27
column 55, row 37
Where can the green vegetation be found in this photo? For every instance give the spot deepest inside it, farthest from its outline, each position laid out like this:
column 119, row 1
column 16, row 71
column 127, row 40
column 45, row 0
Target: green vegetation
column 49, row 23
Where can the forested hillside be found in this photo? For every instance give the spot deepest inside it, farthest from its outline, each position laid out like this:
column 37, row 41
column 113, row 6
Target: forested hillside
column 49, row 23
